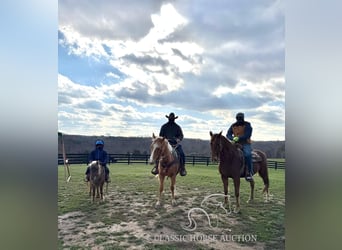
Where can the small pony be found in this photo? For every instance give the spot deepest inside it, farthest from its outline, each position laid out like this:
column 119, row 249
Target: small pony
column 168, row 164
column 96, row 180
column 230, row 163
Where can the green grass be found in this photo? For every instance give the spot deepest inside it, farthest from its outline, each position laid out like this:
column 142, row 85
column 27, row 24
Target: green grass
column 133, row 193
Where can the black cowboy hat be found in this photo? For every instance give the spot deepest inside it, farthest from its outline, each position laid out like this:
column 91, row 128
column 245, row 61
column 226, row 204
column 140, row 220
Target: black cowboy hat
column 171, row 116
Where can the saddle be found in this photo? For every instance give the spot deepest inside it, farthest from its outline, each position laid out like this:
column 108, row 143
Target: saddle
column 243, row 166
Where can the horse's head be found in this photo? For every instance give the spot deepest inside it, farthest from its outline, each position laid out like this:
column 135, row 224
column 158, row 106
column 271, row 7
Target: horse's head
column 159, row 147
column 215, row 145
column 95, row 168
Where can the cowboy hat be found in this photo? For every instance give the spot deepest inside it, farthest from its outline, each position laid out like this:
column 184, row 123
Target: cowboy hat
column 171, row 116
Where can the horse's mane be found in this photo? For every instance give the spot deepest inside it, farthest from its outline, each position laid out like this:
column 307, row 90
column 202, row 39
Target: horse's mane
column 228, row 149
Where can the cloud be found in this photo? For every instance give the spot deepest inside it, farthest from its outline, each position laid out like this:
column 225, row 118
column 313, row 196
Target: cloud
column 207, row 60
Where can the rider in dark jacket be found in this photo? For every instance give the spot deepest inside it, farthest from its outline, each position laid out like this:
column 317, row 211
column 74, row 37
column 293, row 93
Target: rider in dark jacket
column 98, row 154
column 241, row 132
column 173, row 132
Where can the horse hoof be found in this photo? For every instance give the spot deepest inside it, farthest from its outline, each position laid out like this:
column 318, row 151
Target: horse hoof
column 174, row 202
column 236, row 210
column 250, row 201
column 157, row 205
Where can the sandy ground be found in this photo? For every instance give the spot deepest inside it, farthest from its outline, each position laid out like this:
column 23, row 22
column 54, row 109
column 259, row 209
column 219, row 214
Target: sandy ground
column 124, row 224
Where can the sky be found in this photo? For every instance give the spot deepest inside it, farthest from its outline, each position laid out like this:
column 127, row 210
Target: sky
column 124, row 65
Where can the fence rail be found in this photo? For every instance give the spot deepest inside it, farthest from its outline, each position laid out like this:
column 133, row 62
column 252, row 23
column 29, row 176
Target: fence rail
column 131, row 158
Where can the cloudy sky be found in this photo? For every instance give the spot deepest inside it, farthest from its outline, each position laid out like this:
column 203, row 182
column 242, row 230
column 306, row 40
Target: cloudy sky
column 124, row 65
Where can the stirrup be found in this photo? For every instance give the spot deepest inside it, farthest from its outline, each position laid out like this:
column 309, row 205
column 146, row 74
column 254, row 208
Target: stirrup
column 183, row 172
column 249, row 178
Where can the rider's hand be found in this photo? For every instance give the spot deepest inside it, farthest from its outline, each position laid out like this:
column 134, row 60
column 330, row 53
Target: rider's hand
column 236, row 139
column 178, row 140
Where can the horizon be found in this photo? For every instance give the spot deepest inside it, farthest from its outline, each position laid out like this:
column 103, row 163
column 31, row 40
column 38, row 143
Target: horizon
column 145, row 137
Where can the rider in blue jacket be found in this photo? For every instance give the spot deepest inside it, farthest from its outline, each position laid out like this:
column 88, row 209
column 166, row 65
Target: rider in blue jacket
column 98, row 154
column 241, row 132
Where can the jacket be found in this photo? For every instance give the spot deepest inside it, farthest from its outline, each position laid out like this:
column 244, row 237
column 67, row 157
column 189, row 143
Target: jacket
column 241, row 129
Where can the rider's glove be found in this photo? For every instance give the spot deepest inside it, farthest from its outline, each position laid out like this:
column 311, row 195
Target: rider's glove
column 236, row 139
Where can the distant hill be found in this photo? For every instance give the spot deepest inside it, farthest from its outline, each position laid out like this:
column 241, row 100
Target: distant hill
column 79, row 144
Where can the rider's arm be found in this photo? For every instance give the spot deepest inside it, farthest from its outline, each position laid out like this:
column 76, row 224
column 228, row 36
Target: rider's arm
column 179, row 136
column 229, row 134
column 104, row 158
column 91, row 157
column 247, row 133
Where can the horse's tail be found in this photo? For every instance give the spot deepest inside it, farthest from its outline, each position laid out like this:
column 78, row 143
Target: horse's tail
column 263, row 171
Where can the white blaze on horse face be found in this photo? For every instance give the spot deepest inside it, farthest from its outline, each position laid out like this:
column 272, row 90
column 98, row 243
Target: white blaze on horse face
column 154, row 147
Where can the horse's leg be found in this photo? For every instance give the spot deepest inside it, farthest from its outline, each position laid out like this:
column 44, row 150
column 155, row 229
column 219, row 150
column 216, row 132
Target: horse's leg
column 263, row 172
column 101, row 191
column 172, row 188
column 98, row 191
column 225, row 188
column 93, row 192
column 161, row 188
column 237, row 194
column 251, row 197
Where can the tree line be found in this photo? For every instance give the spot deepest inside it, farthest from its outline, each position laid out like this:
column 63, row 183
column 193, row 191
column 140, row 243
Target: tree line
column 80, row 144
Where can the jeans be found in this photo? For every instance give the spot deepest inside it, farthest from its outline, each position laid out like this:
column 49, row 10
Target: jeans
column 247, row 153
column 180, row 151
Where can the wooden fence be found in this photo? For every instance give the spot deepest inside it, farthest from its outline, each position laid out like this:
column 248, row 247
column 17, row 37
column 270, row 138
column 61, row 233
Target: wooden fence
column 131, row 158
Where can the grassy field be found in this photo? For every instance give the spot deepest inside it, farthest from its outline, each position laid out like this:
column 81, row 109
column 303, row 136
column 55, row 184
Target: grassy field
column 128, row 219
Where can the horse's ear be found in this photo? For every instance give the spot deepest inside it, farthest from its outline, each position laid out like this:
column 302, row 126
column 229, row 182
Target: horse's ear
column 211, row 134
column 220, row 133
column 153, row 135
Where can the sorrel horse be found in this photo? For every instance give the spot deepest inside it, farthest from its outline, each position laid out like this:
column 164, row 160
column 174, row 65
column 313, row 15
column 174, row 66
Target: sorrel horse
column 96, row 180
column 231, row 163
column 168, row 164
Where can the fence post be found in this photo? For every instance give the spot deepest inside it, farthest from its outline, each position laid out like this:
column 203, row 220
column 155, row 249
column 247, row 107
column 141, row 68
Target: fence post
column 275, row 165
column 128, row 158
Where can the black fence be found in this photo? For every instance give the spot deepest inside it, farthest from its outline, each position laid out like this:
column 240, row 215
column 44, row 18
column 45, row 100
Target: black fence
column 131, row 158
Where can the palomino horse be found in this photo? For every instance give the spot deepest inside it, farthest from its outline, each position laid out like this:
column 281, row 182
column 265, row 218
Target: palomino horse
column 230, row 163
column 168, row 164
column 96, row 180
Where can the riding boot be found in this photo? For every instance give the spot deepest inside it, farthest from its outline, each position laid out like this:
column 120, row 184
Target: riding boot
column 107, row 178
column 86, row 178
column 182, row 170
column 249, row 175
column 249, row 178
column 154, row 170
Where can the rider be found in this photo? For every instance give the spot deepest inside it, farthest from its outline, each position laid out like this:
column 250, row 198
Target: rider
column 173, row 132
column 241, row 132
column 98, row 154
